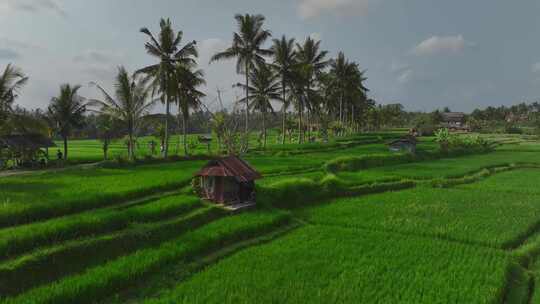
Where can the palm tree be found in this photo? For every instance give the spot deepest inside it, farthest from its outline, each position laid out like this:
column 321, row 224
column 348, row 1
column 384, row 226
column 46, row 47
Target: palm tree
column 284, row 61
column 265, row 87
column 348, row 83
column 340, row 68
column 247, row 48
column 66, row 112
column 313, row 58
column 129, row 105
column 299, row 93
column 166, row 48
column 11, row 81
column 187, row 94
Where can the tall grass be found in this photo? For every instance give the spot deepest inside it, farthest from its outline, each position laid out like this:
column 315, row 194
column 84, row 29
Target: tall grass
column 100, row 282
column 25, row 199
column 300, row 191
column 479, row 216
column 54, row 263
column 318, row 264
column 17, row 240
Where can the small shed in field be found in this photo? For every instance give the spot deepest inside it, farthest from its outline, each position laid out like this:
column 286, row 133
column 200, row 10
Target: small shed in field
column 228, row 180
column 406, row 143
column 454, row 121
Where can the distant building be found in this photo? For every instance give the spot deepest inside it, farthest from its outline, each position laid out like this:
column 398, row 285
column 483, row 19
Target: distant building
column 229, row 180
column 454, row 121
column 514, row 118
column 404, row 144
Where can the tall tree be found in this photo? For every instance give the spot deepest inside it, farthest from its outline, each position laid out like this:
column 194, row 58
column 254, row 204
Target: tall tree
column 313, row 59
column 265, row 87
column 66, row 112
column 188, row 96
column 129, row 105
column 341, row 69
column 284, row 61
column 247, row 47
column 11, row 81
column 168, row 50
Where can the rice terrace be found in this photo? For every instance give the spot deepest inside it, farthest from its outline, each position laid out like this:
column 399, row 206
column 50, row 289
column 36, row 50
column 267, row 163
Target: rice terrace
column 267, row 168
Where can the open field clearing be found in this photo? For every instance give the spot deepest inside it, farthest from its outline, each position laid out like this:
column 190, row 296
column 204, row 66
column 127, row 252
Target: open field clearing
column 478, row 216
column 458, row 166
column 318, row 264
column 22, row 238
column 138, row 234
column 33, row 197
column 116, row 274
column 40, row 196
column 522, row 181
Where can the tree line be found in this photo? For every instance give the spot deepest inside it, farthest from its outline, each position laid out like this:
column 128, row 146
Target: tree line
column 316, row 93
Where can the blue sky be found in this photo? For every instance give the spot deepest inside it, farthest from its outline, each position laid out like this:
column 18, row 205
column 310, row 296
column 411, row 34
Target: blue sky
column 424, row 54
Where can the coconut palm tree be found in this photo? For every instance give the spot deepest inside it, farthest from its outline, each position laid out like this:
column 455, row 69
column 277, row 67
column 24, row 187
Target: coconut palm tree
column 265, row 87
column 247, row 47
column 188, row 96
column 348, row 83
column 299, row 93
column 66, row 112
column 168, row 50
column 340, row 69
column 11, row 81
column 284, row 61
column 129, row 105
column 313, row 58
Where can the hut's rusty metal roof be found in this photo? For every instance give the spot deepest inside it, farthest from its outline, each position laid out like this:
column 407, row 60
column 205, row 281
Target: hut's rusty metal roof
column 231, row 166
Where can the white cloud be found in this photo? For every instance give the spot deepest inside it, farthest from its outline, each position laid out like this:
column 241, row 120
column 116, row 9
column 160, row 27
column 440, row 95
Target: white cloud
column 316, row 36
column 536, row 67
column 32, row 6
column 441, row 44
column 98, row 56
column 9, row 54
column 13, row 49
column 313, row 8
column 16, row 44
column 405, row 76
column 220, row 74
column 208, row 47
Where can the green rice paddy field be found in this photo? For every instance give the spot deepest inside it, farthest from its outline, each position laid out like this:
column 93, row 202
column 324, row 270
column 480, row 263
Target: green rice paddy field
column 386, row 234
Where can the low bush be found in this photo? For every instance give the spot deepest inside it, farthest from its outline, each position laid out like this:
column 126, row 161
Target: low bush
column 355, row 163
column 298, row 192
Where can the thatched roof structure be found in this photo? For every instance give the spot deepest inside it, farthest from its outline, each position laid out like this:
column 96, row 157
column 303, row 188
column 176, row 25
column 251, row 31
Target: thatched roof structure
column 26, row 142
column 230, row 166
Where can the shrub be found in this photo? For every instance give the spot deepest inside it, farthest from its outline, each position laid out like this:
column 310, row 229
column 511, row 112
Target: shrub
column 298, row 192
column 512, row 129
column 353, row 163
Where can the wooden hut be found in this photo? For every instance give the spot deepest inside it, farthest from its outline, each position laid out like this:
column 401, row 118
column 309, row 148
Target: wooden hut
column 454, row 121
column 229, row 180
column 406, row 143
